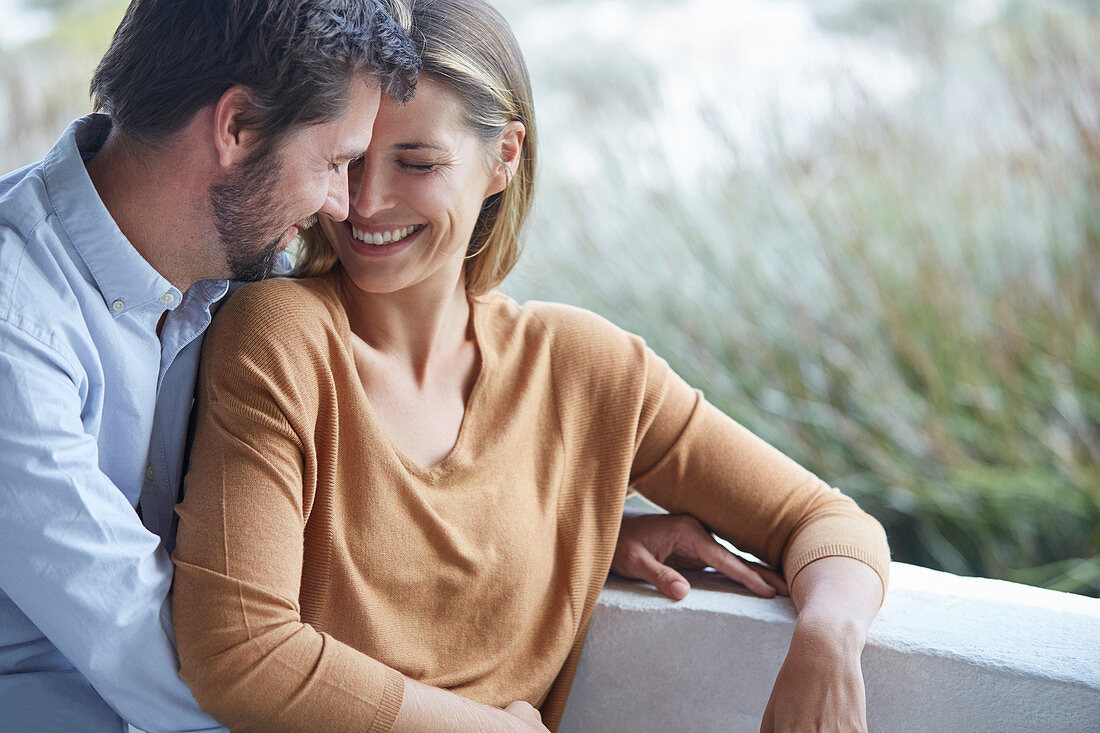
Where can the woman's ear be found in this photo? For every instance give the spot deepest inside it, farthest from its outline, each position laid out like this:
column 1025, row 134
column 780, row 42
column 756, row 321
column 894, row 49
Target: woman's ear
column 232, row 140
column 509, row 154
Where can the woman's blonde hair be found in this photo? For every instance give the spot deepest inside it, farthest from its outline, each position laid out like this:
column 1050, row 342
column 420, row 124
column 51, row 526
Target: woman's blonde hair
column 468, row 47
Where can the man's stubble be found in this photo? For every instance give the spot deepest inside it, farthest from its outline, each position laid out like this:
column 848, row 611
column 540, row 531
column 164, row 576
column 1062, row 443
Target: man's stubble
column 251, row 224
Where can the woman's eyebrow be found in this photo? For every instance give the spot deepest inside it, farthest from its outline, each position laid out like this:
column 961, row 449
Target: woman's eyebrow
column 419, row 146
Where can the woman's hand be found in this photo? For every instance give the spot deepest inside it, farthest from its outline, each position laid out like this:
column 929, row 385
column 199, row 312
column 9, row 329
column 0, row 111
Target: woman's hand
column 648, row 541
column 820, row 685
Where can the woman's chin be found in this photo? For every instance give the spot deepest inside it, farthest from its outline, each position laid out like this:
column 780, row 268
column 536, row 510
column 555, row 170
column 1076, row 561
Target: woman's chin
column 369, row 280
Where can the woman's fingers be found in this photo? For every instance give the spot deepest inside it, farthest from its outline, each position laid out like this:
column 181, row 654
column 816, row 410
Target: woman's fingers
column 648, row 542
column 697, row 542
column 751, row 576
column 524, row 711
column 639, row 562
column 761, row 580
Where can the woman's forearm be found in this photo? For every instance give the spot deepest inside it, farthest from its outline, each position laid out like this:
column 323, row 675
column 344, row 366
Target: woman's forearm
column 425, row 708
column 837, row 594
column 820, row 684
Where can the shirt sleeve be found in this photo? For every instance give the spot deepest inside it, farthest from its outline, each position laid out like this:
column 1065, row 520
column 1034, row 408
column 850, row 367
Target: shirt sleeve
column 76, row 559
column 250, row 657
column 694, row 459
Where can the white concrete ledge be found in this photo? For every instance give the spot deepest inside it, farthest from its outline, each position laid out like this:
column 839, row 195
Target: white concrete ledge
column 946, row 653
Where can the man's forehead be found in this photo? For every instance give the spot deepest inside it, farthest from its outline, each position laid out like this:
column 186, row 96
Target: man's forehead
column 350, row 134
column 344, row 137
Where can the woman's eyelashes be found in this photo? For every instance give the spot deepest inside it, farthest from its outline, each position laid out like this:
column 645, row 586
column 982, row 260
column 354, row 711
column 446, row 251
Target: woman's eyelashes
column 405, row 165
column 417, row 167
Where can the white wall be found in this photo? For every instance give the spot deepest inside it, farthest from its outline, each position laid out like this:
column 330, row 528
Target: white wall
column 946, row 653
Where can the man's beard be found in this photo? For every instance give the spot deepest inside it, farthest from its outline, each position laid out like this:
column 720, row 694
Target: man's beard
column 245, row 216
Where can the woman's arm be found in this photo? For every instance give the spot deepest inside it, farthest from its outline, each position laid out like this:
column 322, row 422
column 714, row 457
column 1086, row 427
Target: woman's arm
column 693, row 459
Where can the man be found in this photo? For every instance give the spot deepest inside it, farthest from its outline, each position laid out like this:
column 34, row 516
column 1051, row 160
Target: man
column 228, row 125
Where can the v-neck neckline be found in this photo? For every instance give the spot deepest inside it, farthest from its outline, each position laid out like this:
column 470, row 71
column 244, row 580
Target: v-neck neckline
column 457, row 456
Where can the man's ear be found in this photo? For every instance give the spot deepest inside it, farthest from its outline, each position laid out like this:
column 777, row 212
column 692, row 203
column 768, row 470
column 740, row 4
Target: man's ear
column 232, row 139
column 509, row 152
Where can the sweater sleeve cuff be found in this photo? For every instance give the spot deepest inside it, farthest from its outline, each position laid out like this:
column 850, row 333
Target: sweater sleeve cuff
column 390, row 705
column 855, row 552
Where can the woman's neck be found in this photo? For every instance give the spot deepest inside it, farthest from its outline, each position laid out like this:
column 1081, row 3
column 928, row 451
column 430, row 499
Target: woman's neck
column 422, row 326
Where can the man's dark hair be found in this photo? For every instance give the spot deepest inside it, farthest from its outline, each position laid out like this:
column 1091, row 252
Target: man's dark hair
column 297, row 58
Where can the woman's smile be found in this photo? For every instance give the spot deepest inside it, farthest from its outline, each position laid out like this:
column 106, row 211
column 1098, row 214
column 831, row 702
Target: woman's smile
column 381, row 240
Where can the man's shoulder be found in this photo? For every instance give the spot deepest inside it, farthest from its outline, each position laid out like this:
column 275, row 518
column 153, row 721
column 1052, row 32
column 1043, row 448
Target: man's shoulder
column 24, row 202
column 35, row 283
column 9, row 180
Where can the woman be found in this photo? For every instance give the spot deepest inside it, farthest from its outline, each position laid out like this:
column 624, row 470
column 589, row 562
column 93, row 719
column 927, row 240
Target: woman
column 411, row 487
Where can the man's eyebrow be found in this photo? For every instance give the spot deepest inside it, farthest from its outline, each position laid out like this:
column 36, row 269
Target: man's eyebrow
column 419, row 146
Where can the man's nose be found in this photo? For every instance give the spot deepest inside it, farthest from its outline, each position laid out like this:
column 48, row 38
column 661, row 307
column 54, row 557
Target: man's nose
column 336, row 201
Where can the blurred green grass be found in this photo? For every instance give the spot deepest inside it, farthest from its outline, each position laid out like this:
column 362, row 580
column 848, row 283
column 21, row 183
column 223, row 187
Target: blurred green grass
column 902, row 293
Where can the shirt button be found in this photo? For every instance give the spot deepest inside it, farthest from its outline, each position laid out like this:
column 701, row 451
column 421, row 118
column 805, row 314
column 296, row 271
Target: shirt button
column 167, row 298
column 150, row 473
column 118, row 305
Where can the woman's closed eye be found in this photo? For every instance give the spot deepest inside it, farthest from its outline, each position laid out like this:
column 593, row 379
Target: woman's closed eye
column 417, row 167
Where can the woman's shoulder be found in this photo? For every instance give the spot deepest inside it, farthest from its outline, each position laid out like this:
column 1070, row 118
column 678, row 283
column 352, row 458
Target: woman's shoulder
column 280, row 296
column 272, row 314
column 570, row 331
column 546, row 315
column 279, row 303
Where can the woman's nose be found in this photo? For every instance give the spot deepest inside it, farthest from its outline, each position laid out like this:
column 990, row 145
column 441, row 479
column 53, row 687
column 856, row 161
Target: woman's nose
column 368, row 189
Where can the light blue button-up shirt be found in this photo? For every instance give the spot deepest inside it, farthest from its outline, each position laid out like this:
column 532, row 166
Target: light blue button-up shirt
column 93, row 423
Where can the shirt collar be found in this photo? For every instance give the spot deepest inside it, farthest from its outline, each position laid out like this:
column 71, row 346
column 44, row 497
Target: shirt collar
column 124, row 278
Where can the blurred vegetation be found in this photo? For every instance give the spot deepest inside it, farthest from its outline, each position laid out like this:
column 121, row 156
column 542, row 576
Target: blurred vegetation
column 903, row 293
column 44, row 82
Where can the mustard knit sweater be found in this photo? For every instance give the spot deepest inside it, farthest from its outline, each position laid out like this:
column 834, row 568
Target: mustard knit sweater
column 316, row 564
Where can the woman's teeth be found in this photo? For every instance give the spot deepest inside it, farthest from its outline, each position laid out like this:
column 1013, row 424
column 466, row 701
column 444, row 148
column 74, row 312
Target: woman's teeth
column 379, row 238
